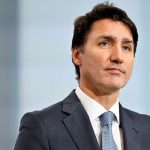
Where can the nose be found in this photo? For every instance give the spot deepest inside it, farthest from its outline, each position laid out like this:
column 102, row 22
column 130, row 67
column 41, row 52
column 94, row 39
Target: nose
column 116, row 55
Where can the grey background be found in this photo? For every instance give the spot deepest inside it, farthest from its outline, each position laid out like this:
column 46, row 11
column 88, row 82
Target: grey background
column 35, row 58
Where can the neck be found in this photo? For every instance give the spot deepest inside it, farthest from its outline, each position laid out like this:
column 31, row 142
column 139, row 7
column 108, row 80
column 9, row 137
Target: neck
column 106, row 99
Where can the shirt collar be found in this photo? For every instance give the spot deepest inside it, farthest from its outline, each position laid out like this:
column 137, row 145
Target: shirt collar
column 90, row 104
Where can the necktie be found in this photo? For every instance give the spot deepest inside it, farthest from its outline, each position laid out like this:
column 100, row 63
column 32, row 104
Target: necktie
column 108, row 142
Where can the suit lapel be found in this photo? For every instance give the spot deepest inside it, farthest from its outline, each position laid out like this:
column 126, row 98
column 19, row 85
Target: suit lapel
column 131, row 133
column 78, row 124
column 80, row 129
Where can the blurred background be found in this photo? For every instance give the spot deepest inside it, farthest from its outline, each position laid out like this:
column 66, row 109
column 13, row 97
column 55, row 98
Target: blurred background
column 35, row 58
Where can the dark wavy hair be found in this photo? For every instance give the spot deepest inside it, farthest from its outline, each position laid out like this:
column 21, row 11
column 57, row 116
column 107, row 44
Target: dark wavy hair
column 104, row 10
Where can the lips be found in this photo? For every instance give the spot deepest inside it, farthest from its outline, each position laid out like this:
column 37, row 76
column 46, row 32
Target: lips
column 115, row 70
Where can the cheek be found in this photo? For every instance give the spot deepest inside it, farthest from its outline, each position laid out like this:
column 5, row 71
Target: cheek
column 94, row 61
column 97, row 58
column 130, row 67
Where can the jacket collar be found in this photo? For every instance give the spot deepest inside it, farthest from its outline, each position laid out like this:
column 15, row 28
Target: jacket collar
column 131, row 131
column 78, row 124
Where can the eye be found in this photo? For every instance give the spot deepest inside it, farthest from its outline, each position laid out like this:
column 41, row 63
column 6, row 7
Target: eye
column 104, row 44
column 127, row 48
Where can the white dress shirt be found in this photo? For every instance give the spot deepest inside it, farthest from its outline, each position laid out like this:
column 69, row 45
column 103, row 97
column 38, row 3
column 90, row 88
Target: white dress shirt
column 94, row 110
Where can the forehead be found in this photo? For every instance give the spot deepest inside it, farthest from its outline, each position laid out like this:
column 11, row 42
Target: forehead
column 110, row 27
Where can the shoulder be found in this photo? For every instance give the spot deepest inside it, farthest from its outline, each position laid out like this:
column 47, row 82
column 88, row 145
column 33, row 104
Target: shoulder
column 138, row 118
column 44, row 116
column 37, row 126
column 136, row 114
column 53, row 114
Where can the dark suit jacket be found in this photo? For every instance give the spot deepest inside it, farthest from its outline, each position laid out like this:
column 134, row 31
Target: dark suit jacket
column 66, row 126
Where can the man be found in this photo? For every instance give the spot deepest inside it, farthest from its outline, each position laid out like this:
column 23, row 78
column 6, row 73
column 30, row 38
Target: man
column 103, row 50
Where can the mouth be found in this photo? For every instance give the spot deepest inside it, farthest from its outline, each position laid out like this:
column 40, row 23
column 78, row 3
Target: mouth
column 115, row 70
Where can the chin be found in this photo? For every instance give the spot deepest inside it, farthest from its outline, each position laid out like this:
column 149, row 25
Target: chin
column 117, row 87
column 113, row 87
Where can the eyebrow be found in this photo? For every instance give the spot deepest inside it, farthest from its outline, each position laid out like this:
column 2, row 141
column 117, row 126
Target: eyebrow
column 110, row 37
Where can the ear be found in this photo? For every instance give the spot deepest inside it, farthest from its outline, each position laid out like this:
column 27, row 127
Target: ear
column 76, row 56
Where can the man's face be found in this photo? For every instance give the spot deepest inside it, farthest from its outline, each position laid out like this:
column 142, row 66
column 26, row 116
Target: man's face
column 108, row 57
